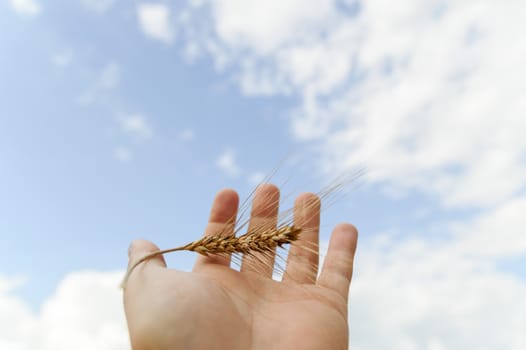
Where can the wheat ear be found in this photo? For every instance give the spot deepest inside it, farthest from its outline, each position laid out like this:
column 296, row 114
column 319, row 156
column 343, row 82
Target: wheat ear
column 252, row 241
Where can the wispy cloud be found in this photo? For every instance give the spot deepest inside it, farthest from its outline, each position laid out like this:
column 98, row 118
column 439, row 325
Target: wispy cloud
column 122, row 154
column 99, row 6
column 227, row 163
column 107, row 79
column 62, row 58
column 375, row 91
column 155, row 21
column 110, row 76
column 187, row 135
column 256, row 178
column 26, row 7
column 136, row 125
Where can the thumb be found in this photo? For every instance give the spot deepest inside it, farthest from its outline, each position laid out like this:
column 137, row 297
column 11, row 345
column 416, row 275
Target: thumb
column 139, row 253
column 140, row 248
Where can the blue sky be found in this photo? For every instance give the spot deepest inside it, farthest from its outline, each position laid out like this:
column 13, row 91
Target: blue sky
column 73, row 204
column 121, row 120
column 67, row 190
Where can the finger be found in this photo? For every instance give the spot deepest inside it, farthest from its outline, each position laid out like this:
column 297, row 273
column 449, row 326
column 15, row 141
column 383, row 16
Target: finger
column 263, row 216
column 338, row 265
column 139, row 259
column 139, row 248
column 302, row 262
column 136, row 283
column 221, row 222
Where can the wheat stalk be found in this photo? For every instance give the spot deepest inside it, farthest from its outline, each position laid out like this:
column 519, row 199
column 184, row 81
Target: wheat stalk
column 257, row 240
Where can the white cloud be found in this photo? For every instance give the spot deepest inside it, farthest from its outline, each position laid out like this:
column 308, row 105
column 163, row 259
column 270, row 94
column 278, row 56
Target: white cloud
column 136, row 125
column 9, row 284
column 494, row 234
column 110, row 76
column 155, row 21
column 62, row 58
column 228, row 164
column 416, row 295
column 413, row 294
column 85, row 312
column 25, row 7
column 100, row 6
column 264, row 26
column 122, row 154
column 187, row 135
column 107, row 79
column 256, row 178
column 426, row 95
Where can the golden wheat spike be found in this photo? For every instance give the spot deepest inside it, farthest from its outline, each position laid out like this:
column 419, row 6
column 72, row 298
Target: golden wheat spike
column 250, row 242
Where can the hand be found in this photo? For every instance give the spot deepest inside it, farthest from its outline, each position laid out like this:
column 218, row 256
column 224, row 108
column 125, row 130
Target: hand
column 216, row 307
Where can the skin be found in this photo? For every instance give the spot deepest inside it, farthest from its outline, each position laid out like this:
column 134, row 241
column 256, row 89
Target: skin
column 216, row 307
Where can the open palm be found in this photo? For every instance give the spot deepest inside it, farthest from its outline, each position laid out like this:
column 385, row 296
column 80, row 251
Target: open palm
column 216, row 307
